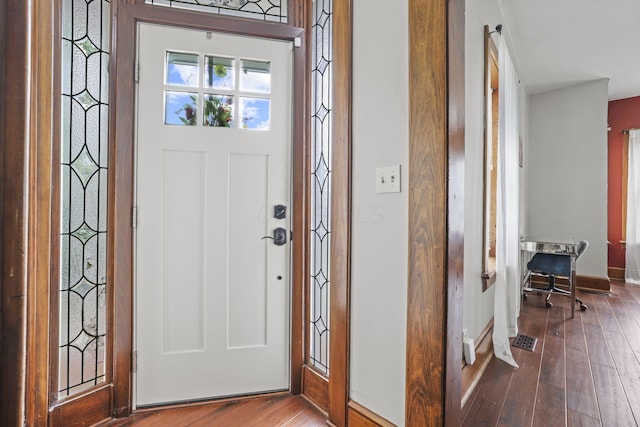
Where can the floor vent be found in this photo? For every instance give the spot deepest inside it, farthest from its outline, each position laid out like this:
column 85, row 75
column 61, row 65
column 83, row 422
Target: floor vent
column 525, row 342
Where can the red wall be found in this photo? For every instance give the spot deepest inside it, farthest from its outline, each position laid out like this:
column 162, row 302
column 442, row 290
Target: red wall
column 623, row 114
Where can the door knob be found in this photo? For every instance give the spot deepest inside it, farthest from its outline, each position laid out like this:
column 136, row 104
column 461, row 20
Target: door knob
column 279, row 236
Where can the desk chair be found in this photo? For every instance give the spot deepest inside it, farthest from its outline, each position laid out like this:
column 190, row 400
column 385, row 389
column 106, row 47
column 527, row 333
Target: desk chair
column 556, row 265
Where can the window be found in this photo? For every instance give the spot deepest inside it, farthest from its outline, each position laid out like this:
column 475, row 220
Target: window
column 266, row 10
column 232, row 92
column 490, row 178
column 83, row 230
column 320, row 186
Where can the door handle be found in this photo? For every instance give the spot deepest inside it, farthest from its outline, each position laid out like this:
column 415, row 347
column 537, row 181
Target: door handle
column 279, row 236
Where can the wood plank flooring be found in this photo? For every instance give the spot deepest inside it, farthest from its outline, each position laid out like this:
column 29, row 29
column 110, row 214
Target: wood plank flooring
column 584, row 371
column 289, row 411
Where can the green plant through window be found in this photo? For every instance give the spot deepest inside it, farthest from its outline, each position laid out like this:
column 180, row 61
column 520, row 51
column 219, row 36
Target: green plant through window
column 218, row 111
column 189, row 110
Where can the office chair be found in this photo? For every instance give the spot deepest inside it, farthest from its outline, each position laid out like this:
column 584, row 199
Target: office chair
column 555, row 265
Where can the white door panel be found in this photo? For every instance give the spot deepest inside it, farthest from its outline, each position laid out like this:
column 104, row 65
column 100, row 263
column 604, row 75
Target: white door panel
column 212, row 296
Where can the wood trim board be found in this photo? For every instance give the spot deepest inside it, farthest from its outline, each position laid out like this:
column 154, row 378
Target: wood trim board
column 360, row 416
column 340, row 275
column 436, row 142
column 615, row 273
column 587, row 283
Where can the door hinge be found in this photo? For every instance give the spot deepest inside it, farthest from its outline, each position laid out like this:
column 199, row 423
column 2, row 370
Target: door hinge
column 134, row 217
column 134, row 362
column 291, row 235
column 136, row 72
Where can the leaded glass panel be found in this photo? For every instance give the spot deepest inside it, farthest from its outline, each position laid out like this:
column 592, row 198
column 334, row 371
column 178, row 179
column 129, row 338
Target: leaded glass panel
column 320, row 183
column 265, row 10
column 83, row 207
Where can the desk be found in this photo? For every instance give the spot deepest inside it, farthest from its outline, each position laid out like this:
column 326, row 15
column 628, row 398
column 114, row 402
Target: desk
column 530, row 246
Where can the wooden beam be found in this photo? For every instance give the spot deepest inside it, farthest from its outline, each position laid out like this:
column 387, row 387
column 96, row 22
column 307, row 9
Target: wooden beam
column 436, row 178
column 14, row 124
column 340, row 213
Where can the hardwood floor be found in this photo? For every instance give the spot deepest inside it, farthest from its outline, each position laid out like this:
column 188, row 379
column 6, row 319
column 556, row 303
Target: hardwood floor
column 289, row 411
column 584, row 371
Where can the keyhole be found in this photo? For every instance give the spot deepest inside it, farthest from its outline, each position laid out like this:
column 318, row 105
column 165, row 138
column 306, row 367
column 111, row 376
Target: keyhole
column 279, row 277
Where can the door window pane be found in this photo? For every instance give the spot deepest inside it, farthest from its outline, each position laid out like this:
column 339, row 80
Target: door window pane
column 218, row 111
column 182, row 69
column 255, row 76
column 255, row 113
column 219, row 72
column 180, row 108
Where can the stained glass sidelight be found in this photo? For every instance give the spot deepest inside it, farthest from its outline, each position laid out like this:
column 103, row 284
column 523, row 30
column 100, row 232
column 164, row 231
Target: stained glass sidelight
column 320, row 183
column 265, row 10
column 83, row 203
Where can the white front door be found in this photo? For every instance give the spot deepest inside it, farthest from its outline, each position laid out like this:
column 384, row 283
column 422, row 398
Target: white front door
column 213, row 162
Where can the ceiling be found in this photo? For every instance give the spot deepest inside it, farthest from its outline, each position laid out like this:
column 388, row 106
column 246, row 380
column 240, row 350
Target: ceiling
column 559, row 43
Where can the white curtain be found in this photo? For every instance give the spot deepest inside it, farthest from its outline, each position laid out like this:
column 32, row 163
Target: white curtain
column 632, row 270
column 507, row 285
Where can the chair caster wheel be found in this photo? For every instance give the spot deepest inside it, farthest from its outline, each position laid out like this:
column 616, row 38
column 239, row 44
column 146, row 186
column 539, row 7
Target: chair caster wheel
column 548, row 304
column 583, row 307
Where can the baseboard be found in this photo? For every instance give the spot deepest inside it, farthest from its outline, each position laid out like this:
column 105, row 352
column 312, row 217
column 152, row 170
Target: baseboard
column 359, row 416
column 471, row 374
column 586, row 283
column 616, row 273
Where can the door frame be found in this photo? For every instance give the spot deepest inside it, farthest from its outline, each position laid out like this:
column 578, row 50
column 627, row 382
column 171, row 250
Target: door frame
column 121, row 197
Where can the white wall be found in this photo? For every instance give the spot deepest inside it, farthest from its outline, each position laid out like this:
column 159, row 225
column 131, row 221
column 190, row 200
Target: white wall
column 380, row 233
column 568, row 169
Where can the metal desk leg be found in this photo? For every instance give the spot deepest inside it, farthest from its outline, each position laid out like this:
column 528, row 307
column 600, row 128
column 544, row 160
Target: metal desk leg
column 572, row 285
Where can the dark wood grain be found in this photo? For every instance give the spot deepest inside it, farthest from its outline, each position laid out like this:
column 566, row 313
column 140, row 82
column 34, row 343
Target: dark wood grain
column 360, row 416
column 612, row 401
column 13, row 214
column 301, row 188
column 576, row 419
column 598, row 350
column 581, row 394
column 291, row 411
column 120, row 202
column 482, row 413
column 588, row 374
column 42, row 302
column 519, row 403
column 316, row 387
column 550, row 409
column 455, row 210
column 427, row 271
column 340, row 212
column 83, row 411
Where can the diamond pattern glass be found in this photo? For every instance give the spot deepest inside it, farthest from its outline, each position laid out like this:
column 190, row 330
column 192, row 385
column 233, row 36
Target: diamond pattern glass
column 264, row 10
column 320, row 184
column 83, row 206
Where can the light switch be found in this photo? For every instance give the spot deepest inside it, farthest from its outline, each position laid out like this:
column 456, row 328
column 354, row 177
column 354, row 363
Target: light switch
column 388, row 179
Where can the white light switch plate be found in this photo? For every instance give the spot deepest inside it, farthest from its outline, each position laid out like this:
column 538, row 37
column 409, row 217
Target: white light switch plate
column 388, row 179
